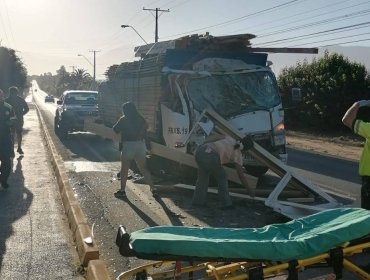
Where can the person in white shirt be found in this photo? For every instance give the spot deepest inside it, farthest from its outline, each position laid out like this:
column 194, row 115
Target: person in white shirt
column 210, row 158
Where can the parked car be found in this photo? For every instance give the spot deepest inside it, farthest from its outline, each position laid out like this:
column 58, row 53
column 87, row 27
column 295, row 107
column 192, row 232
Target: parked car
column 49, row 98
column 74, row 106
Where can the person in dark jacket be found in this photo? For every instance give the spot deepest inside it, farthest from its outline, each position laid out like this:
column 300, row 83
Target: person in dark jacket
column 132, row 127
column 7, row 118
column 20, row 108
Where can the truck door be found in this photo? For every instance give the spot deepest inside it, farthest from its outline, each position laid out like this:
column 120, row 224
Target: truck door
column 175, row 114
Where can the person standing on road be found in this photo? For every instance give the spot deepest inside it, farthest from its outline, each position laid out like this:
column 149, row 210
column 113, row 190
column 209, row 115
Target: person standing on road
column 7, row 118
column 362, row 128
column 132, row 127
column 210, row 157
column 20, row 108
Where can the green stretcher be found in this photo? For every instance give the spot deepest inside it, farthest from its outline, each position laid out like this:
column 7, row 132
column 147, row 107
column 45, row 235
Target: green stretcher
column 298, row 239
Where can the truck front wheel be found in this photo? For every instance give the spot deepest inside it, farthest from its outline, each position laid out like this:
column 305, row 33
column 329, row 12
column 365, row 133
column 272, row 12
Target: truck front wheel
column 60, row 129
column 56, row 125
column 63, row 130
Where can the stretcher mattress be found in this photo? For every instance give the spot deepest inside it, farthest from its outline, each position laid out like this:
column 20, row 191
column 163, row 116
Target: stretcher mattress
column 298, row 239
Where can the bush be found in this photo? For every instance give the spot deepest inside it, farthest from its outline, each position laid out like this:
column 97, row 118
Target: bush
column 329, row 86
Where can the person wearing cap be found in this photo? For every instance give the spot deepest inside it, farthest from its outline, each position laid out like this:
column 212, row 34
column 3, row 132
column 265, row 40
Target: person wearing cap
column 7, row 118
column 351, row 119
column 210, row 158
column 20, row 108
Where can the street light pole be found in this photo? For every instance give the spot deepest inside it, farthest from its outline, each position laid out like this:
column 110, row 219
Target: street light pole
column 125, row 25
column 92, row 64
column 94, row 51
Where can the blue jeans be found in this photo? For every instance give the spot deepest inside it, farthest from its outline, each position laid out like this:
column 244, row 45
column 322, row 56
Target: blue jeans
column 209, row 163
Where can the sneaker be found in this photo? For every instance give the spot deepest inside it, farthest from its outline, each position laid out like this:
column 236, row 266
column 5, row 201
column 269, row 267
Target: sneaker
column 20, row 151
column 120, row 194
column 5, row 185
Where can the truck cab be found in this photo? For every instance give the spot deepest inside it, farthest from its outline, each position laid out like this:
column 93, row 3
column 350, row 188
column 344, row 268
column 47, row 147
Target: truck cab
column 72, row 109
column 239, row 87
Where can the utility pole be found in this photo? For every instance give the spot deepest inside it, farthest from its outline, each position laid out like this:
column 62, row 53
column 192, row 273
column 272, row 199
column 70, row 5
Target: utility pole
column 94, row 51
column 156, row 20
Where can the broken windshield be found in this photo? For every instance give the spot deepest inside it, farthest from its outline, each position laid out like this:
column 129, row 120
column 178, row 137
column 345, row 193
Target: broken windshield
column 233, row 94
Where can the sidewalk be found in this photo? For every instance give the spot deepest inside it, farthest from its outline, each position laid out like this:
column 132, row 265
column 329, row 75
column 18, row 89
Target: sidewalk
column 34, row 235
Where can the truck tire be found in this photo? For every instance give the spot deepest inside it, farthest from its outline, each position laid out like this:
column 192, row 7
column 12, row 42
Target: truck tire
column 63, row 130
column 56, row 126
column 59, row 128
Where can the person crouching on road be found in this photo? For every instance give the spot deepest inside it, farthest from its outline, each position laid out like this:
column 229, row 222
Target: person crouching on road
column 362, row 128
column 7, row 118
column 20, row 108
column 210, row 157
column 132, row 127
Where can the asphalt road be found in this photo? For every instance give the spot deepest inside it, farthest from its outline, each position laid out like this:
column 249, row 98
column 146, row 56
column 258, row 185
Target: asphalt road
column 92, row 164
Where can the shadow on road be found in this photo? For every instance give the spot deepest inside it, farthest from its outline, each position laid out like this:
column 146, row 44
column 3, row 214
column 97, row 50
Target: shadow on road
column 91, row 147
column 14, row 204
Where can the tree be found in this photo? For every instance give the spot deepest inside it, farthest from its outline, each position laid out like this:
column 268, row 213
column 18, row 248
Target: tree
column 80, row 79
column 12, row 70
column 329, row 86
column 63, row 79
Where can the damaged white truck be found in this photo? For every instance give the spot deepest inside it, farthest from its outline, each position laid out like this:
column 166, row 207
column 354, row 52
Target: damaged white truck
column 175, row 84
column 176, row 80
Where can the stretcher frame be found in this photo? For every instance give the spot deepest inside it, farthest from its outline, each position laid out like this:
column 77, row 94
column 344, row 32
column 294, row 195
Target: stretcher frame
column 337, row 258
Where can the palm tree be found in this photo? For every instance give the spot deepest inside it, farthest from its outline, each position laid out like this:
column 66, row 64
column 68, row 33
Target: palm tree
column 80, row 79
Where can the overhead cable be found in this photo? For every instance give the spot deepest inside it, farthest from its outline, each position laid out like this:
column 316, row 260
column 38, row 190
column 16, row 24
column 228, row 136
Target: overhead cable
column 320, row 32
column 325, row 21
column 236, row 19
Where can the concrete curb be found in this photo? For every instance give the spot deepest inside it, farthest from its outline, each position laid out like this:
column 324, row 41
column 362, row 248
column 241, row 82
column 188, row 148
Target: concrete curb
column 96, row 270
column 88, row 252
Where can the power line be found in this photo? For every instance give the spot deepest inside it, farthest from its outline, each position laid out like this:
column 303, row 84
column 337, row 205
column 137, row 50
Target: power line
column 332, row 39
column 179, row 4
column 236, row 19
column 305, row 37
column 343, row 43
column 294, row 15
column 330, row 20
column 10, row 25
column 307, row 25
column 2, row 23
column 313, row 16
column 320, row 32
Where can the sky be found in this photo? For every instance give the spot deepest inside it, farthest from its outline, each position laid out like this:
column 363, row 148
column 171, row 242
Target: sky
column 50, row 33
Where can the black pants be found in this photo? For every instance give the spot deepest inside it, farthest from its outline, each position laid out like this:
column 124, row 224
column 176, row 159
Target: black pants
column 365, row 192
column 6, row 152
column 209, row 163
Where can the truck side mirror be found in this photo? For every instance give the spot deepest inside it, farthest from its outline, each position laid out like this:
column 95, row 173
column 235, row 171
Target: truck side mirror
column 296, row 95
column 59, row 102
